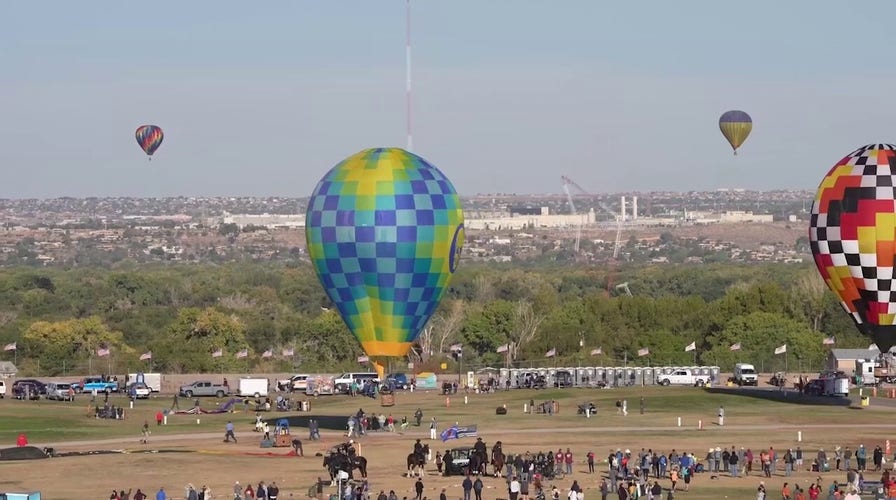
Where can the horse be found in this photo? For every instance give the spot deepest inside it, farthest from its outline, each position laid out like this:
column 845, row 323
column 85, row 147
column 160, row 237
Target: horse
column 498, row 462
column 417, row 462
column 478, row 463
column 335, row 462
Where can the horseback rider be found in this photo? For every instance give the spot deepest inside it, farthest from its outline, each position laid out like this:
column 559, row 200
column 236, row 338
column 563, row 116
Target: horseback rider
column 350, row 448
column 479, row 447
column 418, row 448
column 496, row 449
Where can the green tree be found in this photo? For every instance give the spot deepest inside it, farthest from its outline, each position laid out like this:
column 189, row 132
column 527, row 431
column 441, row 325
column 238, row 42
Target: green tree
column 759, row 334
column 195, row 335
column 63, row 343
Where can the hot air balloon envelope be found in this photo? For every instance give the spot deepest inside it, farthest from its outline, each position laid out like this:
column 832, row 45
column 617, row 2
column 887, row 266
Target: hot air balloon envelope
column 852, row 234
column 149, row 137
column 735, row 126
column 384, row 230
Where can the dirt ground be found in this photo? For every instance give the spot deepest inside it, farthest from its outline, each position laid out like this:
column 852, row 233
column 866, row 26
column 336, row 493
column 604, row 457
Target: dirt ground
column 173, row 460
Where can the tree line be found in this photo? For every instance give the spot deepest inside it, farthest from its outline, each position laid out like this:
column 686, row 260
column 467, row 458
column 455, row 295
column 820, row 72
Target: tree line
column 59, row 318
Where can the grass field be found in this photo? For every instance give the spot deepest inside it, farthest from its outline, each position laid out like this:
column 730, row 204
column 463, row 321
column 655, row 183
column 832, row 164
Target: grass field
column 750, row 422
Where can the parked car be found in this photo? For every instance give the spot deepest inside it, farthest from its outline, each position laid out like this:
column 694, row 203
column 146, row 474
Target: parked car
column 2, row 389
column 60, row 391
column 26, row 390
column 99, row 384
column 41, row 387
column 460, row 461
column 139, row 389
column 204, row 388
column 398, row 381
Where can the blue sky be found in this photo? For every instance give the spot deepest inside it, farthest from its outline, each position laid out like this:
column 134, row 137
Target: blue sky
column 263, row 98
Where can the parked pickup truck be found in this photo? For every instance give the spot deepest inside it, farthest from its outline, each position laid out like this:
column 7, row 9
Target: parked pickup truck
column 98, row 384
column 204, row 388
column 682, row 376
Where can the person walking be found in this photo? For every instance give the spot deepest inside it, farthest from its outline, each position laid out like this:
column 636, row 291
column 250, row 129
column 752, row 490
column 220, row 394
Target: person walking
column 418, row 488
column 145, row 432
column 228, row 432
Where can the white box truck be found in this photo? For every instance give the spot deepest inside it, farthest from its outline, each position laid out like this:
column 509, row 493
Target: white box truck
column 254, row 387
column 152, row 380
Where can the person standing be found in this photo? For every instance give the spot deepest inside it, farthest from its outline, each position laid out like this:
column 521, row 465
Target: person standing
column 273, row 491
column 477, row 488
column 432, row 428
column 721, row 416
column 590, row 462
column 467, row 486
column 145, row 432
column 418, row 488
column 514, row 489
column 160, row 495
column 228, row 432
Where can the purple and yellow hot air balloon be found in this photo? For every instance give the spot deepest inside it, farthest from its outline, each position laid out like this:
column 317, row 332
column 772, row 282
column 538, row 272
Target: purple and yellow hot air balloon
column 735, row 126
column 852, row 234
column 149, row 137
column 384, row 230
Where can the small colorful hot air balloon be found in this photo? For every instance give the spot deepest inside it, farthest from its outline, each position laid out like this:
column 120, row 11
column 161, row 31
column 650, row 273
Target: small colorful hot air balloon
column 735, row 126
column 149, row 137
column 852, row 234
column 384, row 230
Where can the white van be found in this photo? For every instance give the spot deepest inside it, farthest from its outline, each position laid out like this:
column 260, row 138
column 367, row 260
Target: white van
column 343, row 382
column 745, row 374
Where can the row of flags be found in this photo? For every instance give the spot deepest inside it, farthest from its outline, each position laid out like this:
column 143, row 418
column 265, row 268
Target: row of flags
column 105, row 351
column 245, row 353
column 688, row 348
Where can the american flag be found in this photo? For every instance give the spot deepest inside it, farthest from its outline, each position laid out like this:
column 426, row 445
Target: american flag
column 551, row 353
column 102, row 351
column 502, row 348
column 267, row 354
column 456, row 347
column 218, row 353
column 734, row 347
column 828, row 341
column 597, row 352
column 242, row 354
column 145, row 356
column 363, row 359
column 289, row 352
column 10, row 347
column 643, row 352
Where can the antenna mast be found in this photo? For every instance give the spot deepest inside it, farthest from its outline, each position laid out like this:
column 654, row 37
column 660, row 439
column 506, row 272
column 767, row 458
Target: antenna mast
column 408, row 67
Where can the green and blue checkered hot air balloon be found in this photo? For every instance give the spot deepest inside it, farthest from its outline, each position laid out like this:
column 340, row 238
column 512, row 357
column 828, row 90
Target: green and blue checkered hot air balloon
column 385, row 230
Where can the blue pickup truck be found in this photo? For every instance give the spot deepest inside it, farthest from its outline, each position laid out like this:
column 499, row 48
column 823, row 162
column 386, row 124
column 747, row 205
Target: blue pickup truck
column 99, row 384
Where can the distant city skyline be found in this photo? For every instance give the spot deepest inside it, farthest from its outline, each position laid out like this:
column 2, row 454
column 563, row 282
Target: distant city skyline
column 508, row 95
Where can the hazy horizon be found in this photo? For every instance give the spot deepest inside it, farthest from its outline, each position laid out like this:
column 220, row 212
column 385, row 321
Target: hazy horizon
column 508, row 95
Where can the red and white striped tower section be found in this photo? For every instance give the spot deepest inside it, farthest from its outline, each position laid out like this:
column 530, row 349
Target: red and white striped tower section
column 408, row 63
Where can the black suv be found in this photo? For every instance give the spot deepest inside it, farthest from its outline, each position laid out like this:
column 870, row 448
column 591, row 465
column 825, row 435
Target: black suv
column 41, row 387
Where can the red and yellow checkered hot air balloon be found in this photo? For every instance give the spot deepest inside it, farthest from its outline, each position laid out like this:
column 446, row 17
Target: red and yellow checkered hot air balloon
column 853, row 238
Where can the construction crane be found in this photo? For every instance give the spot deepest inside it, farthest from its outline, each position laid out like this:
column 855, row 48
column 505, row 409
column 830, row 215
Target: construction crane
column 572, row 207
column 617, row 244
